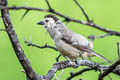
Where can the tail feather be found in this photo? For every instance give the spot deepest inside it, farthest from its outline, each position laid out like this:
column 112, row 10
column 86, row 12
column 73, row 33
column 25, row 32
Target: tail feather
column 100, row 56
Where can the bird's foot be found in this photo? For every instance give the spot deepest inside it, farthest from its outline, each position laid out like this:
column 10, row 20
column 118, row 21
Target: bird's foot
column 78, row 62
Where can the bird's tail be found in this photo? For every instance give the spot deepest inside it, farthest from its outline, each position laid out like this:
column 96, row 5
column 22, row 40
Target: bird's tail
column 100, row 56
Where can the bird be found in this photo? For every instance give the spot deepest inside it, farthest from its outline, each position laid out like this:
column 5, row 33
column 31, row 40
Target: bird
column 70, row 44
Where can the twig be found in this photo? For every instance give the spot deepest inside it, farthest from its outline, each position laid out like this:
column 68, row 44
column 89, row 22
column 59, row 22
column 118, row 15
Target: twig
column 57, row 59
column 66, row 64
column 100, row 36
column 111, row 68
column 90, row 24
column 25, row 14
column 2, row 30
column 110, row 77
column 15, row 42
column 83, row 11
column 41, row 47
column 49, row 6
column 118, row 46
column 78, row 73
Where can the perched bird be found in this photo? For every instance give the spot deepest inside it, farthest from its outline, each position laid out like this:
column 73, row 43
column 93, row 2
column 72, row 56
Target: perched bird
column 70, row 44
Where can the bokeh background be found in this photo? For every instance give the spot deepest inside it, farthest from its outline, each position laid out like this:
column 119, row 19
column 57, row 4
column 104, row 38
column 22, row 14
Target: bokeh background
column 105, row 13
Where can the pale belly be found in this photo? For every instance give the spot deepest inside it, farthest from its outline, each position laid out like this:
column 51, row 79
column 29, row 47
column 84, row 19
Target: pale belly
column 67, row 50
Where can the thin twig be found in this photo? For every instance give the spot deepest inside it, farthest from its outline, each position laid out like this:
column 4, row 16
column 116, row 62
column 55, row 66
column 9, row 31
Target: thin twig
column 2, row 30
column 100, row 36
column 110, row 77
column 83, row 11
column 66, row 64
column 118, row 46
column 90, row 24
column 109, row 70
column 49, row 6
column 24, row 14
column 57, row 59
column 41, row 47
column 78, row 73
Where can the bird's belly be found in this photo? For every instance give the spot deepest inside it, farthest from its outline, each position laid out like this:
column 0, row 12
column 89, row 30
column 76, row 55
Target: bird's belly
column 67, row 50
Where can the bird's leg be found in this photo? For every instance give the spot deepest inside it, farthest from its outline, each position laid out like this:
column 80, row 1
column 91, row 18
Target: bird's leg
column 78, row 61
column 83, row 55
column 68, row 59
column 72, row 63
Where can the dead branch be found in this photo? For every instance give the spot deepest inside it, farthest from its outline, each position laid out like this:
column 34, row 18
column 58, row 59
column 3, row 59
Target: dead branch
column 41, row 47
column 92, row 37
column 72, row 75
column 111, row 68
column 15, row 42
column 83, row 11
column 90, row 24
column 2, row 30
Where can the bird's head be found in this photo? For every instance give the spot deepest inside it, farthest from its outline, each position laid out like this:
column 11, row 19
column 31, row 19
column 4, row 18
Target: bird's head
column 49, row 21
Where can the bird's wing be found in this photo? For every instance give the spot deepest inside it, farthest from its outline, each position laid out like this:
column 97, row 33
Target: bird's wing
column 80, row 43
column 76, row 40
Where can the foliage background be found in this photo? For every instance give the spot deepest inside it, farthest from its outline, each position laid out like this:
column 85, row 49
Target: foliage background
column 104, row 12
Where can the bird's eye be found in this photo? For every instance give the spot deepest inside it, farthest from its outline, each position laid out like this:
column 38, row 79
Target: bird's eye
column 46, row 20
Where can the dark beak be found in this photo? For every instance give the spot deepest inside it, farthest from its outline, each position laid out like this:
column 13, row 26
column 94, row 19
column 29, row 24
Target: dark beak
column 40, row 23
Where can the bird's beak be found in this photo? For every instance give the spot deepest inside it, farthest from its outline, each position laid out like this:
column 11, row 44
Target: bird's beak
column 40, row 23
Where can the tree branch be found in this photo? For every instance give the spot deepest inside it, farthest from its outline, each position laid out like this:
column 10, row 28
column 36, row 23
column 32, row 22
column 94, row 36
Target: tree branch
column 15, row 42
column 92, row 37
column 111, row 68
column 90, row 24
column 83, row 11
column 2, row 30
column 28, row 43
column 79, row 73
column 25, row 14
column 118, row 49
column 49, row 6
column 66, row 64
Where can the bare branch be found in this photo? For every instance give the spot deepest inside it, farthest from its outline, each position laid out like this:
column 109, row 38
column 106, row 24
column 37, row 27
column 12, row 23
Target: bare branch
column 109, row 70
column 90, row 24
column 110, row 77
column 118, row 46
column 2, row 30
column 24, row 14
column 15, row 42
column 83, row 11
column 58, row 66
column 41, row 47
column 97, row 37
column 57, row 59
column 66, row 64
column 79, row 73
column 49, row 6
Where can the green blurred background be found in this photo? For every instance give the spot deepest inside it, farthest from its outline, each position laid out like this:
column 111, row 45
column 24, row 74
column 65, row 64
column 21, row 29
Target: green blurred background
column 104, row 12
